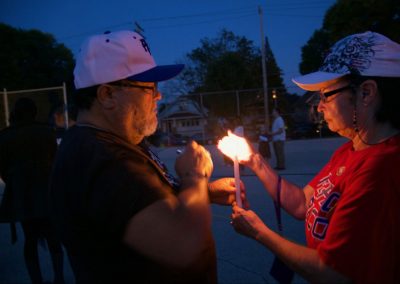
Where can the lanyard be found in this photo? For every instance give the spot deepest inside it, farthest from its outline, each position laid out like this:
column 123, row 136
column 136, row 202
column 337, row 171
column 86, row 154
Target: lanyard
column 277, row 205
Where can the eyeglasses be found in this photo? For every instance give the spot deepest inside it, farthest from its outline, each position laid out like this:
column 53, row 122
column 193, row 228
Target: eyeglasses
column 324, row 96
column 153, row 89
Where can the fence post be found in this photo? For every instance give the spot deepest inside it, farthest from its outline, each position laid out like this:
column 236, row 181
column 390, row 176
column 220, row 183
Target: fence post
column 6, row 110
column 65, row 106
column 237, row 103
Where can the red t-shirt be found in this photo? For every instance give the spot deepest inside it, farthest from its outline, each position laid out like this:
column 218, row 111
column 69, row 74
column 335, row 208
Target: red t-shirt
column 353, row 219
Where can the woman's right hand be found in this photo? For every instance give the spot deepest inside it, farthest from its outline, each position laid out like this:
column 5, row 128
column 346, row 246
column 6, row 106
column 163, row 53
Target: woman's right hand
column 246, row 222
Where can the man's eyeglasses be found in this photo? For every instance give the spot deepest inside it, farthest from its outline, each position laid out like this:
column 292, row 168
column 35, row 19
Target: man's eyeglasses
column 153, row 89
column 323, row 96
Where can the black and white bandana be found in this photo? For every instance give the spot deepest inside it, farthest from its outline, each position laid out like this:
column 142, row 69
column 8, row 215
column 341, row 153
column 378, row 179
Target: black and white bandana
column 352, row 55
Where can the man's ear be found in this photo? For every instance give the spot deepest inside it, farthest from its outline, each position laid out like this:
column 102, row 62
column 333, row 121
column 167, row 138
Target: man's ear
column 106, row 97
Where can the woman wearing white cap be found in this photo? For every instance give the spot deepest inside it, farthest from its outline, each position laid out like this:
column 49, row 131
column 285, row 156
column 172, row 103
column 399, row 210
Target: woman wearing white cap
column 352, row 220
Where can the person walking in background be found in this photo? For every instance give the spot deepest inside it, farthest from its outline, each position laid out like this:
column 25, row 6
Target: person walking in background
column 27, row 150
column 278, row 135
column 123, row 217
column 238, row 128
column 351, row 207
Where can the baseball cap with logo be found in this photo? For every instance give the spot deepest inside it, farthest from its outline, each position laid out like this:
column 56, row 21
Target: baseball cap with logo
column 119, row 55
column 365, row 54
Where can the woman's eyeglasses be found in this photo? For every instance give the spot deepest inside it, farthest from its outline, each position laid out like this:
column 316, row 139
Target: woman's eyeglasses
column 324, row 96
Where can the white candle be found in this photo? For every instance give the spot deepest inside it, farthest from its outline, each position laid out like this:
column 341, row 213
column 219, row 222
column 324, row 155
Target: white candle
column 237, row 181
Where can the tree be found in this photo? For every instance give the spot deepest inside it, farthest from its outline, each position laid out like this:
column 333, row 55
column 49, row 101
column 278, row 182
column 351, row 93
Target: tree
column 348, row 17
column 32, row 59
column 228, row 62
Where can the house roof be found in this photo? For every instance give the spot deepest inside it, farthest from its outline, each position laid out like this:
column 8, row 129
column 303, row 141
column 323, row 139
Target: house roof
column 182, row 107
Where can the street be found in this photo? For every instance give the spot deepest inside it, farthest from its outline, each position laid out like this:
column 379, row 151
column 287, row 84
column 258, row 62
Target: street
column 240, row 260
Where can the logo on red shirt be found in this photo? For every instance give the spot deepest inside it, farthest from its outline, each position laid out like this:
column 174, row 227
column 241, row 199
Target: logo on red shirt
column 321, row 207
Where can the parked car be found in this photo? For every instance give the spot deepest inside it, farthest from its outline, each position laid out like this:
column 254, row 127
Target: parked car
column 304, row 131
column 167, row 139
column 207, row 139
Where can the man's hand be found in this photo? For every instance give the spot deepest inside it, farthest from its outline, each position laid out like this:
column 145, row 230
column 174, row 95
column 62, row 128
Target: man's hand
column 222, row 192
column 194, row 162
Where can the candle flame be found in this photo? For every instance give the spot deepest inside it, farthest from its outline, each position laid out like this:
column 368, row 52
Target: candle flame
column 235, row 146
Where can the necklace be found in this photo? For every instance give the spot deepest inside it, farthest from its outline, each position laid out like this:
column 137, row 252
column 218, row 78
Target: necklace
column 379, row 141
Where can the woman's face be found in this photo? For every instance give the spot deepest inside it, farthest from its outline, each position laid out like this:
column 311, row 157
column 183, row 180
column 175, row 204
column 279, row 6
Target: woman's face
column 338, row 108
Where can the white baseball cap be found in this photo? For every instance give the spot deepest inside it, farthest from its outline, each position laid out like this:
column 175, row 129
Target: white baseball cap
column 365, row 54
column 119, row 55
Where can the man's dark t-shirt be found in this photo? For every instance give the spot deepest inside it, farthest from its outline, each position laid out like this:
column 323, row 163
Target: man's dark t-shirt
column 99, row 182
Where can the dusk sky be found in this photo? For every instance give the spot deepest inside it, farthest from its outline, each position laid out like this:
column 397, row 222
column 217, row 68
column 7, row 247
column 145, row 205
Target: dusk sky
column 173, row 28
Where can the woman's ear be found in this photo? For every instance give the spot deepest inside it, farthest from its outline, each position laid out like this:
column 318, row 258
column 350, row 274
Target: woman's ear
column 106, row 97
column 369, row 92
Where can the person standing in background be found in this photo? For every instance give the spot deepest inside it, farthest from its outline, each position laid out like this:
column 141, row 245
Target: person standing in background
column 27, row 150
column 59, row 120
column 263, row 143
column 278, row 135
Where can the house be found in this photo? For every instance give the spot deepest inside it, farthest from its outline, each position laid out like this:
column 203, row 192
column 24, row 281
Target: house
column 184, row 117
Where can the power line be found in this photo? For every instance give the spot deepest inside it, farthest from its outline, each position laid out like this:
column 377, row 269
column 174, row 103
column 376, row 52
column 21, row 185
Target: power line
column 273, row 10
column 207, row 14
column 202, row 22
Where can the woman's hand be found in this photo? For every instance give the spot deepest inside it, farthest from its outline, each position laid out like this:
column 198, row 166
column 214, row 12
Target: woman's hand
column 246, row 222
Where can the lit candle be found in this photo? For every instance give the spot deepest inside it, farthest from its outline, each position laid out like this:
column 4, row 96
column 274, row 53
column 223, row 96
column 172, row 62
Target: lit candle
column 236, row 173
column 236, row 148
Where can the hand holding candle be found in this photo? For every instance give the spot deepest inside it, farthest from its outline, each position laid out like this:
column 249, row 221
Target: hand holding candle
column 237, row 181
column 236, row 148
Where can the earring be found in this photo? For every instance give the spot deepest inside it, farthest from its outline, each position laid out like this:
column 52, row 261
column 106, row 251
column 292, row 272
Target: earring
column 355, row 120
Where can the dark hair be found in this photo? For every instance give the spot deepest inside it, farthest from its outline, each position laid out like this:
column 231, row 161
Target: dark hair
column 85, row 97
column 72, row 110
column 277, row 109
column 24, row 110
column 389, row 108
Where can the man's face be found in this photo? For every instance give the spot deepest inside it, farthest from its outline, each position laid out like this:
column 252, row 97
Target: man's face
column 138, row 107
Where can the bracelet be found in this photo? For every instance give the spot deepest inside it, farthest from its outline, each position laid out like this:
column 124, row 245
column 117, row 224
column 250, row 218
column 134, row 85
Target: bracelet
column 194, row 174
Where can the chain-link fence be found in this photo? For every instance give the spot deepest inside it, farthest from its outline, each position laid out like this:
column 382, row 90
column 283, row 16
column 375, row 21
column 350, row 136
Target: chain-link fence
column 46, row 100
column 222, row 108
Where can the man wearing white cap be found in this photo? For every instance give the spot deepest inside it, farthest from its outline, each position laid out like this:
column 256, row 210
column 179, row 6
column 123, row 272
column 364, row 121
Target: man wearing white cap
column 122, row 216
column 351, row 208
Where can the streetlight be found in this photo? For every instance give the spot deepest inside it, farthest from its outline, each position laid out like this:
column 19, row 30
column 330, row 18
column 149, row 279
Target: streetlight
column 275, row 98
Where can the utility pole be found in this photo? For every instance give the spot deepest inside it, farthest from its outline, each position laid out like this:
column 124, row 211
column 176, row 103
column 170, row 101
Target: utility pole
column 264, row 69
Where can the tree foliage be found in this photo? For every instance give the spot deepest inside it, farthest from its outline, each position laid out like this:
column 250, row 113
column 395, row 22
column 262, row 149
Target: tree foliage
column 348, row 17
column 32, row 59
column 228, row 62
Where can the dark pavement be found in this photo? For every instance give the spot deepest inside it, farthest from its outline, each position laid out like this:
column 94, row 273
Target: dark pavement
column 240, row 260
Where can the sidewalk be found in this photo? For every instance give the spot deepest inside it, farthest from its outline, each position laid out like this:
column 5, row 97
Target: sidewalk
column 240, row 260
